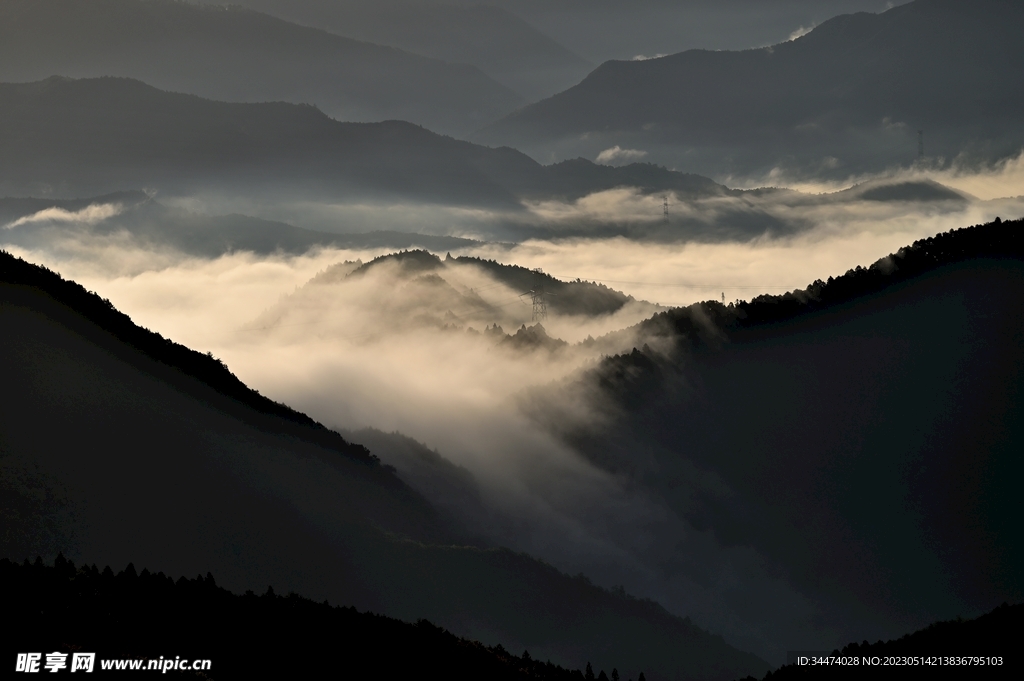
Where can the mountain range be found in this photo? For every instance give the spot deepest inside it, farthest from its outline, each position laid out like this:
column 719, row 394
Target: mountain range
column 239, row 55
column 838, row 463
column 489, row 37
column 69, row 138
column 848, row 97
column 64, row 139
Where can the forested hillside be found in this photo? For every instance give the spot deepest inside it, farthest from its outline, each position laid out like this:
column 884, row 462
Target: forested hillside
column 119, row 445
column 860, row 434
column 132, row 615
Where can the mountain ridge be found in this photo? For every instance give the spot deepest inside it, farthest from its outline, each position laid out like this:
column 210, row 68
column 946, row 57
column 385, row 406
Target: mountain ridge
column 238, row 54
column 833, row 430
column 492, row 38
column 63, row 136
column 206, row 368
column 829, row 94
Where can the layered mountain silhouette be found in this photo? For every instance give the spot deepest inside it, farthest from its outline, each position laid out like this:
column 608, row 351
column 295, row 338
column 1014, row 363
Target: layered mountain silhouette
column 849, row 96
column 121, row 446
column 235, row 54
column 860, row 434
column 489, row 37
column 87, row 137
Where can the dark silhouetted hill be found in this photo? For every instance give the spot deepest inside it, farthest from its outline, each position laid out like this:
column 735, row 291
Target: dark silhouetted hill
column 849, row 96
column 64, row 137
column 1000, row 239
column 211, row 372
column 562, row 297
column 861, row 435
column 416, row 289
column 239, row 55
column 530, row 338
column 925, row 191
column 578, row 177
column 979, row 647
column 118, row 445
column 133, row 615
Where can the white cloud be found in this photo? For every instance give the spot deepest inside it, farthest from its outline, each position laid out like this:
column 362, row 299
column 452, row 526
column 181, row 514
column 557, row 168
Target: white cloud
column 800, row 32
column 89, row 215
column 618, row 154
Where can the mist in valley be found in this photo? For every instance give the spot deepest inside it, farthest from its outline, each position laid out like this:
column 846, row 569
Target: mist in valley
column 444, row 350
column 503, row 321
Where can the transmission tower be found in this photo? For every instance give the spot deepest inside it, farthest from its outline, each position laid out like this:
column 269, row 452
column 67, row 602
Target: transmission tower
column 540, row 304
column 664, row 209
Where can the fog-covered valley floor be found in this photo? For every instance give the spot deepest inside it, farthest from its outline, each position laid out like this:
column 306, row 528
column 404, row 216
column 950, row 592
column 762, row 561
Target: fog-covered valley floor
column 443, row 348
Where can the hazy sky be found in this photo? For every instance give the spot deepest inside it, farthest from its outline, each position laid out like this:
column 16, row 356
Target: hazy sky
column 621, row 29
column 599, row 30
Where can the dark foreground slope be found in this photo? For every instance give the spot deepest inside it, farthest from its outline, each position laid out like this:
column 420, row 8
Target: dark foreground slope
column 238, row 55
column 980, row 648
column 152, row 616
column 65, row 138
column 117, row 445
column 848, row 97
column 863, row 436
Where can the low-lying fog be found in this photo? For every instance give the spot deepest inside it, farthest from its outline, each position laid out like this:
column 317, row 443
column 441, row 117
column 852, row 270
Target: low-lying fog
column 387, row 350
